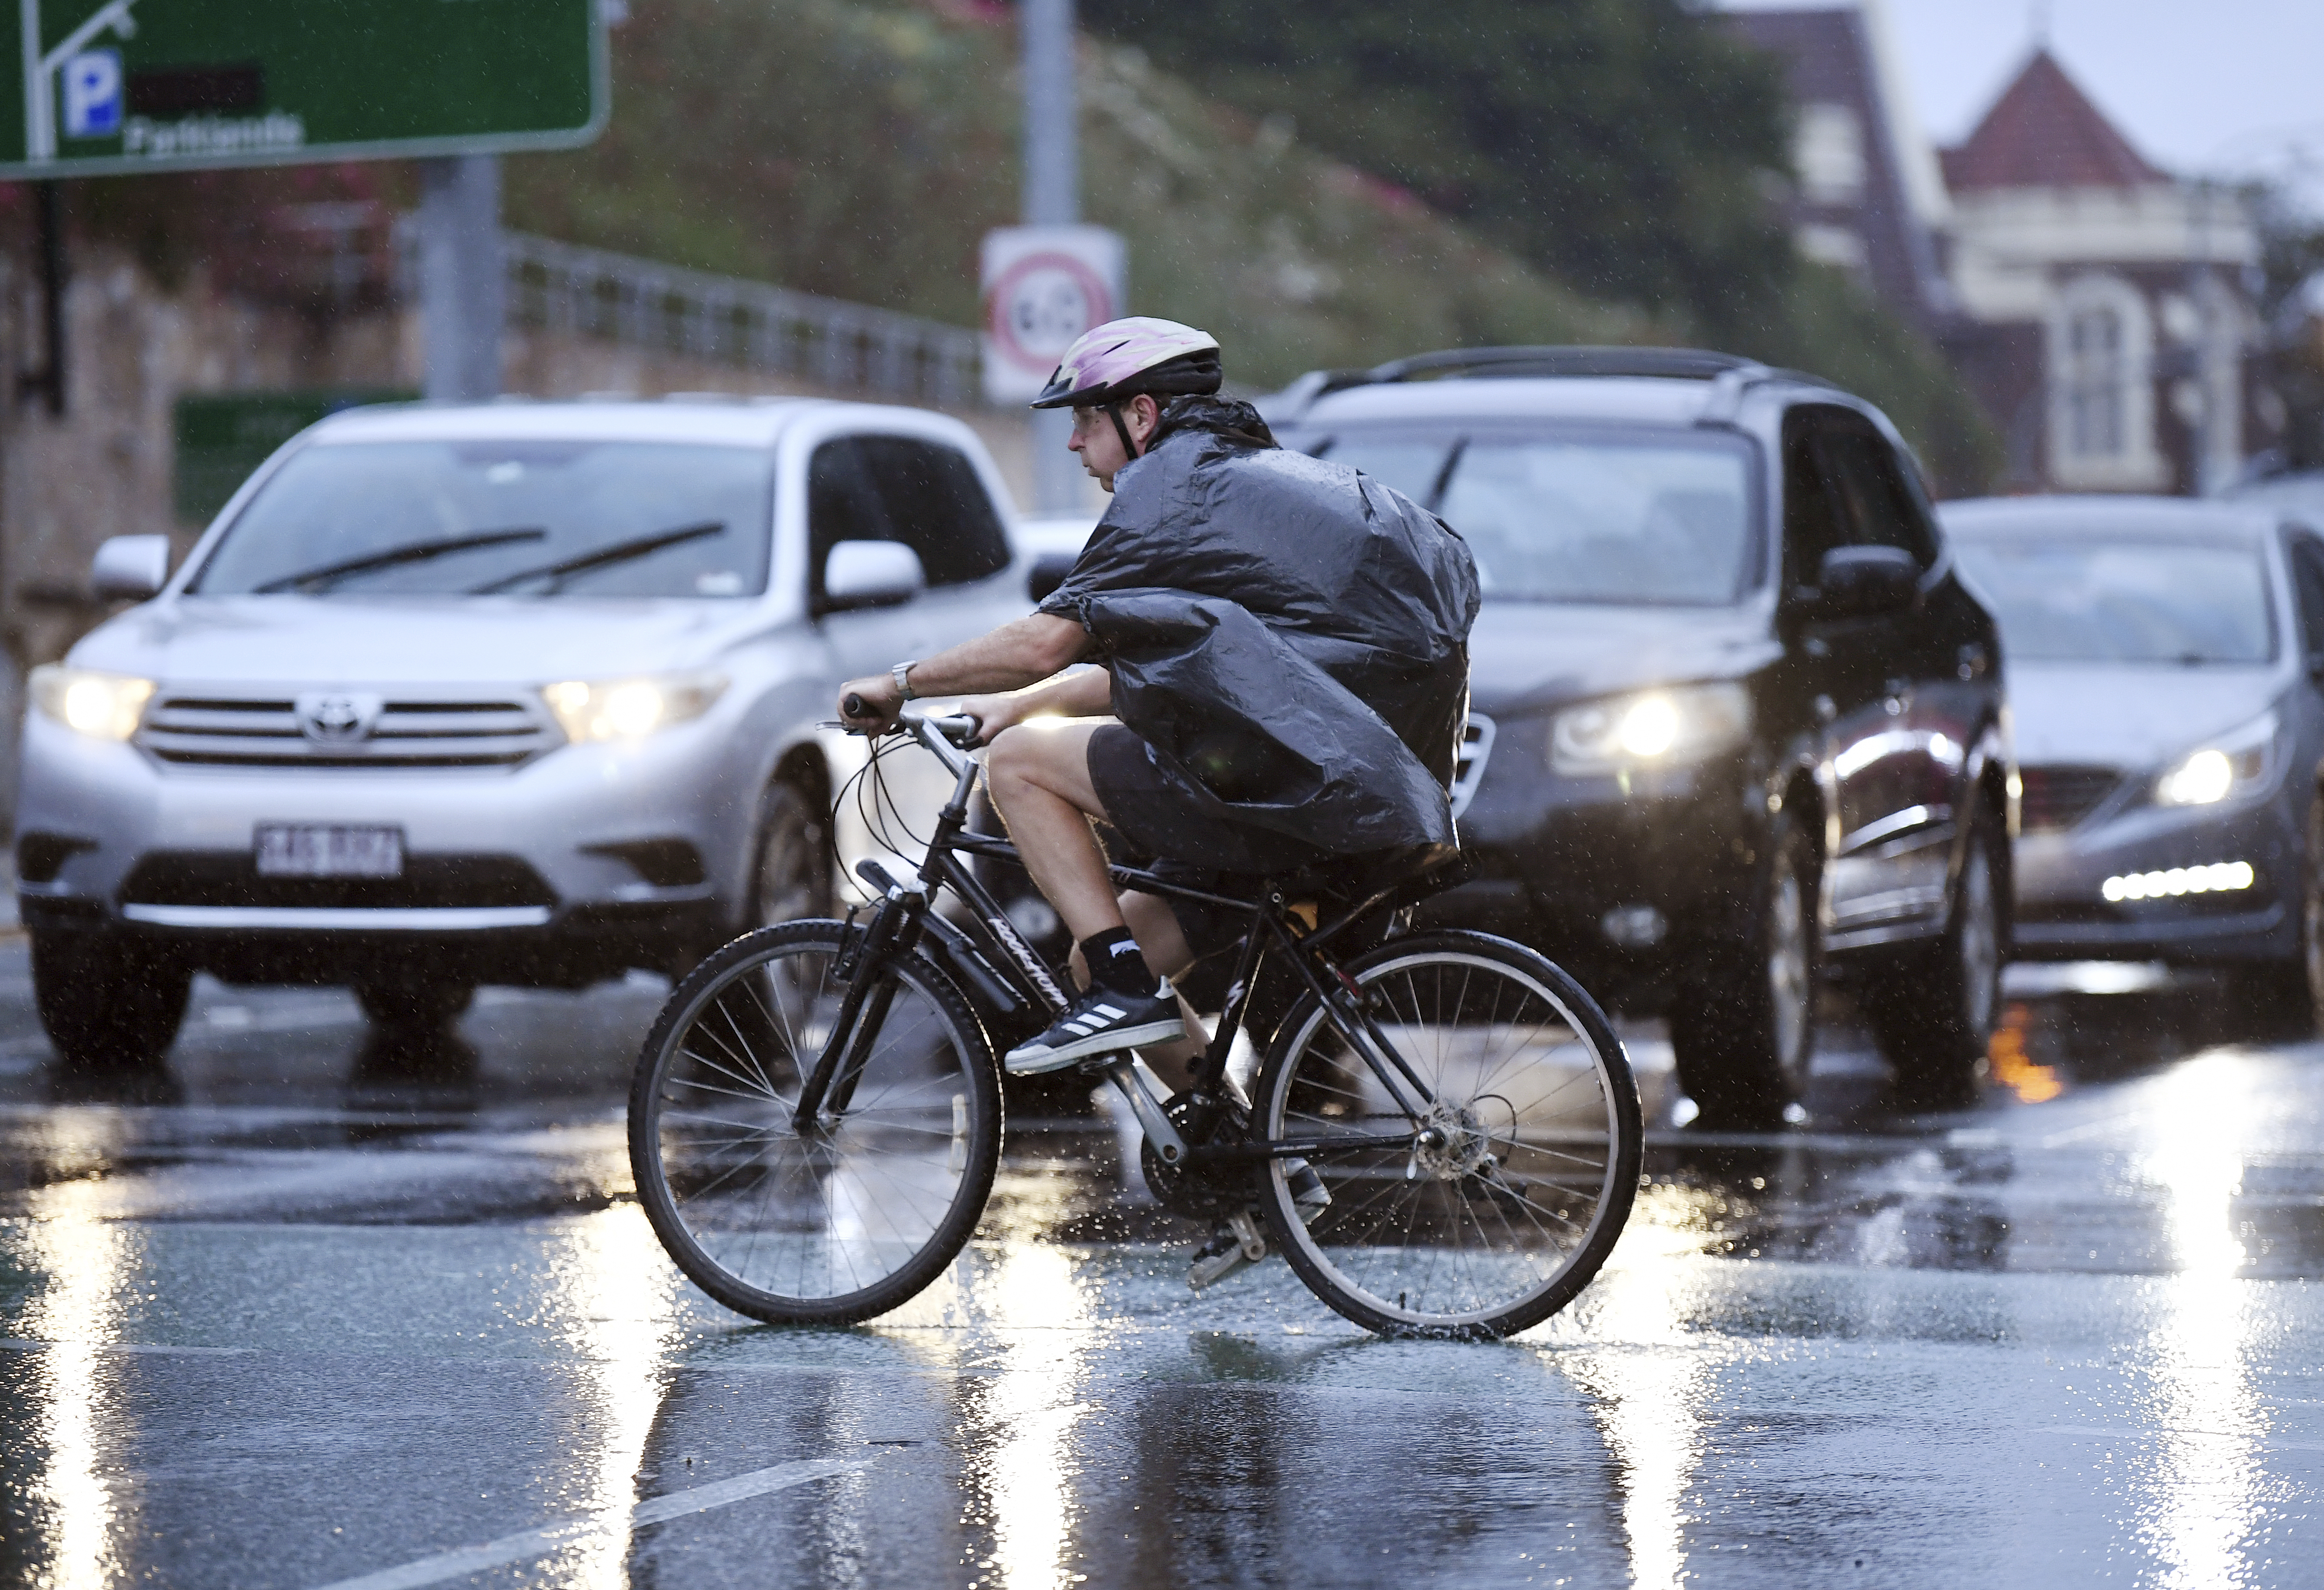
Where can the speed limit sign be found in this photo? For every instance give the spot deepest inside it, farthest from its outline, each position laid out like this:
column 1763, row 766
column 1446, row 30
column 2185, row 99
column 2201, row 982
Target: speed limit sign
column 1043, row 286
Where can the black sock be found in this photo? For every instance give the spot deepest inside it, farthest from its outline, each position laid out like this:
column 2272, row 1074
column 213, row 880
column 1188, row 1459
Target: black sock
column 1115, row 964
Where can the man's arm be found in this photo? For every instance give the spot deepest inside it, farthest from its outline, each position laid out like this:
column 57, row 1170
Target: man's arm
column 1086, row 694
column 1016, row 655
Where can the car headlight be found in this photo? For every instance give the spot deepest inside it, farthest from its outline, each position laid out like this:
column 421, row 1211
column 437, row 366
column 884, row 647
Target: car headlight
column 105, row 706
column 2232, row 766
column 629, row 709
column 1652, row 729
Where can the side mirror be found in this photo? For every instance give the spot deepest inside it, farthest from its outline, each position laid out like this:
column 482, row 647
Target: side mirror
column 870, row 574
column 130, row 568
column 1863, row 582
column 1048, row 572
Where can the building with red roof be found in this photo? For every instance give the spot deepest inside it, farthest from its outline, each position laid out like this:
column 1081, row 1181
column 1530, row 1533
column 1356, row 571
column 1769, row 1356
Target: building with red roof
column 2094, row 302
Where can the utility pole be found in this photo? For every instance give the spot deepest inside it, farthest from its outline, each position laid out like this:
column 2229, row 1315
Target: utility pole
column 460, row 276
column 1052, row 198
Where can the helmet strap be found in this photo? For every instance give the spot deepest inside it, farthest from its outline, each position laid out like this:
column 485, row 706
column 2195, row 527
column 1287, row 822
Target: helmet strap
column 1129, row 448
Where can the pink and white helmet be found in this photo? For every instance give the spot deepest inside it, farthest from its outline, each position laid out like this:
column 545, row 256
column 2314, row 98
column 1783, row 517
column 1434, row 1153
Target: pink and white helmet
column 1123, row 358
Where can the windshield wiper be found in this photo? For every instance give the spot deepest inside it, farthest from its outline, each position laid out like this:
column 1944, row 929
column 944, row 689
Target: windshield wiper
column 557, row 574
column 330, row 573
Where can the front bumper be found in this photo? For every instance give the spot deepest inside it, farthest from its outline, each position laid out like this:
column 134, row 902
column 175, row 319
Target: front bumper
column 568, row 868
column 2063, row 913
column 1616, row 881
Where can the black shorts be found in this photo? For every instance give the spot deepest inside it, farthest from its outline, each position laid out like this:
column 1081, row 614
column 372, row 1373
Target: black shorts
column 1162, row 831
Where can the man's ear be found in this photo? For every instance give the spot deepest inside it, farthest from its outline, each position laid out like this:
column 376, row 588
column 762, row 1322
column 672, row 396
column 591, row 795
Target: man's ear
column 1149, row 410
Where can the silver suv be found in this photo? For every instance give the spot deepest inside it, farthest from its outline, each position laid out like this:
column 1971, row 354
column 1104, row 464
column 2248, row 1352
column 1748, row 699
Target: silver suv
column 526, row 694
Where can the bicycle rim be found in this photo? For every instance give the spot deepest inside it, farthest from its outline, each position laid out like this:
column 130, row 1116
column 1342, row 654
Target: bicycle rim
column 833, row 1225
column 1497, row 1225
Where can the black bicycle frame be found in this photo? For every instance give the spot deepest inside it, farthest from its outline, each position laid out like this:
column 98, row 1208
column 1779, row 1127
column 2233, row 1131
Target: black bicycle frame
column 999, row 959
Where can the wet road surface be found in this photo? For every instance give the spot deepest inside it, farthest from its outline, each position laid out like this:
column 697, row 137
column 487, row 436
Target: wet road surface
column 321, row 1308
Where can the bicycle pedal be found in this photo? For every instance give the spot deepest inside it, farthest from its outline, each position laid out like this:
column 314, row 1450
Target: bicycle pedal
column 1208, row 1269
column 1240, row 1241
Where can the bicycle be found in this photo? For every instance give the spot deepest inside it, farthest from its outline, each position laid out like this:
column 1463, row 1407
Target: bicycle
column 815, row 1118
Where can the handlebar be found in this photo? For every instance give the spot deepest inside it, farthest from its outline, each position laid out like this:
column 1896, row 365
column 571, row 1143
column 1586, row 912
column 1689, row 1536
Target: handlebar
column 960, row 731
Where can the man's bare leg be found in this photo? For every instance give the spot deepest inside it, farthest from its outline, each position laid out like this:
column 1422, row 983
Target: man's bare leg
column 1162, row 944
column 1039, row 777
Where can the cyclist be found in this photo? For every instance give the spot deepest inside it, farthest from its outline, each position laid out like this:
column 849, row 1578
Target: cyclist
column 1282, row 678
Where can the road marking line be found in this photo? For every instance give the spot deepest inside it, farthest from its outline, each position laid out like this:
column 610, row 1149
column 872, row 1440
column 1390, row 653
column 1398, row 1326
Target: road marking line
column 528, row 1544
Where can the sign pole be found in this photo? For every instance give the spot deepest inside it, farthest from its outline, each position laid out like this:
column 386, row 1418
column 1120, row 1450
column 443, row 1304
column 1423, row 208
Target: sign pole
column 461, row 276
column 1052, row 198
column 50, row 202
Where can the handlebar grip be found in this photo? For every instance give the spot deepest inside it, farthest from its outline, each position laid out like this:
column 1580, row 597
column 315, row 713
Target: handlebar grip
column 853, row 705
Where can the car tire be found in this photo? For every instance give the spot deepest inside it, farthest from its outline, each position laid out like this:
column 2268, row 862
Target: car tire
column 790, row 860
column 109, row 1006
column 1933, row 1010
column 2310, row 975
column 414, row 1003
column 1742, row 1020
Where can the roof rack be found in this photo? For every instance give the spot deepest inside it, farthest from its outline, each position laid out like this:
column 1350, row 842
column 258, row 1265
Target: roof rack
column 1674, row 363
column 1730, row 374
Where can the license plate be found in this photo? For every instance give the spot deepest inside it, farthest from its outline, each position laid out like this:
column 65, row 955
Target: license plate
column 315, row 850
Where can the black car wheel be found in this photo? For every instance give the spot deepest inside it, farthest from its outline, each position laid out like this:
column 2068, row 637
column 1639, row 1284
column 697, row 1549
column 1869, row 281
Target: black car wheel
column 790, row 871
column 2311, row 910
column 108, row 1005
column 1742, row 1023
column 1931, row 1011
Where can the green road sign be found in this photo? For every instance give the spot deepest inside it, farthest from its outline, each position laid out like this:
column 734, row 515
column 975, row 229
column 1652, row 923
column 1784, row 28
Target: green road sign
column 222, row 436
column 104, row 87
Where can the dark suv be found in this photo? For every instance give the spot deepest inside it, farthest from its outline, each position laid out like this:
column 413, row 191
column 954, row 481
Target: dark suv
column 1736, row 725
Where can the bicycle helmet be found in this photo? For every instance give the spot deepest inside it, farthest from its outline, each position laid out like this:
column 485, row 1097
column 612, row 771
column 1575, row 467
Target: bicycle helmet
column 1111, row 364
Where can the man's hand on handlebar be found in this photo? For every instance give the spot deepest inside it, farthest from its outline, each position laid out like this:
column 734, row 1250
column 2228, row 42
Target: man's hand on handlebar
column 870, row 706
column 994, row 713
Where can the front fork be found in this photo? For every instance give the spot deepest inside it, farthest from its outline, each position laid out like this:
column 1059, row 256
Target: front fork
column 862, row 1011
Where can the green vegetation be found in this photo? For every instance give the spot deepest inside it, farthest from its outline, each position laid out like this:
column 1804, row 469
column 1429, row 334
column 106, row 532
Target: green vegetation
column 1623, row 145
column 862, row 152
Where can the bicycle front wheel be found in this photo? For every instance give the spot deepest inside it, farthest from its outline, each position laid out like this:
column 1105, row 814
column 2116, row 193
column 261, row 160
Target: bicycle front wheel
column 855, row 1216
column 1526, row 1153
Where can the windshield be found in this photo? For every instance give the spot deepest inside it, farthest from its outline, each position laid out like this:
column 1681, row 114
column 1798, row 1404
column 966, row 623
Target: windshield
column 1659, row 523
column 2082, row 600
column 524, row 519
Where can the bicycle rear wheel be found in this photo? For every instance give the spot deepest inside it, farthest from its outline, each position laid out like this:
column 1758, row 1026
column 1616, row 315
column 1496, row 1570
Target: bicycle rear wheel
column 841, row 1223
column 1499, row 1222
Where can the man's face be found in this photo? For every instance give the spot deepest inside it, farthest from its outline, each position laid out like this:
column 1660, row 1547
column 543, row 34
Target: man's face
column 1099, row 443
column 1096, row 440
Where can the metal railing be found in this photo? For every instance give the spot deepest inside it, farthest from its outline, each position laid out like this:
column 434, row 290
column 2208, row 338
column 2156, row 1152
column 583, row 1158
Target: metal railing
column 563, row 287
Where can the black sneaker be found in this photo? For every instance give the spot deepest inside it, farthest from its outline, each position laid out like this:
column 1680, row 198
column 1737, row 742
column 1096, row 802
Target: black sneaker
column 1101, row 1022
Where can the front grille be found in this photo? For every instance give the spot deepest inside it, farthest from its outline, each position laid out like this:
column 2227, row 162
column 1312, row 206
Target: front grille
column 231, row 877
column 260, row 732
column 1469, row 767
column 2057, row 798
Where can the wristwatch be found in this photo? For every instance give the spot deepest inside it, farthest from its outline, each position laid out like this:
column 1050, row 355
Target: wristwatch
column 902, row 674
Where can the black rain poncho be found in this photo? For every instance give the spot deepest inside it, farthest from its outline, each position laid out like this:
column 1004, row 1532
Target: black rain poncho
column 1289, row 636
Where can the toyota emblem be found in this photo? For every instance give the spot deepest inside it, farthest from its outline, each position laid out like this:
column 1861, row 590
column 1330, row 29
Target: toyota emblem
column 337, row 719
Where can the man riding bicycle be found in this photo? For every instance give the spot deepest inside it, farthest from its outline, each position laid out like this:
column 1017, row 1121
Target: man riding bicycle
column 1281, row 687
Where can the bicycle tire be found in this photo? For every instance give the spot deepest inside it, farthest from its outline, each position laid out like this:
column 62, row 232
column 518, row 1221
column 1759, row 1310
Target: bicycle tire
column 834, row 1228
column 1488, row 1234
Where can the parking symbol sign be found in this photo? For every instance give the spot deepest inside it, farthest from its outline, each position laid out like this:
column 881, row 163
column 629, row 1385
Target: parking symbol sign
column 92, row 86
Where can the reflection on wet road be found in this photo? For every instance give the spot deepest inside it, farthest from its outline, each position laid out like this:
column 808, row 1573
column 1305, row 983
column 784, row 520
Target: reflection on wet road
column 323, row 1310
